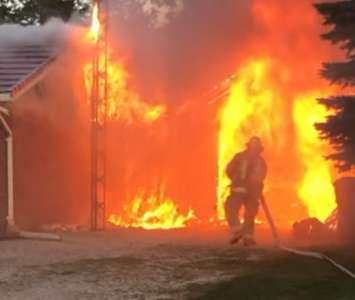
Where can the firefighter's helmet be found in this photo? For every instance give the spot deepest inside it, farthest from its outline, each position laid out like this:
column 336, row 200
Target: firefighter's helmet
column 255, row 143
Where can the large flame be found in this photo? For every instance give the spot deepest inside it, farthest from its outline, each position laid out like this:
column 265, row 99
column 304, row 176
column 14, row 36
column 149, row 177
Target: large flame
column 267, row 98
column 316, row 190
column 122, row 103
column 255, row 106
column 152, row 211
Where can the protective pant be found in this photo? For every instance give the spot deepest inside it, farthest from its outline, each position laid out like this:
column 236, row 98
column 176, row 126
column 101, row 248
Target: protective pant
column 233, row 205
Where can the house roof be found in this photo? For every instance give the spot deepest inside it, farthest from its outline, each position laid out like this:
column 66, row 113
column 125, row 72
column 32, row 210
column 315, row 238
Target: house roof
column 21, row 67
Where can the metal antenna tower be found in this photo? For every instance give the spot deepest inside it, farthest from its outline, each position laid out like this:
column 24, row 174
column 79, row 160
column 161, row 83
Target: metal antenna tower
column 99, row 95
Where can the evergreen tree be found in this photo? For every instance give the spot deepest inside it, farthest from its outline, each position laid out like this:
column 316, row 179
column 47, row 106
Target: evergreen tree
column 27, row 12
column 339, row 129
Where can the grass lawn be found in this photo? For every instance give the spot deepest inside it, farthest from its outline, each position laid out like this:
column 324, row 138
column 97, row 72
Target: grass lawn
column 285, row 276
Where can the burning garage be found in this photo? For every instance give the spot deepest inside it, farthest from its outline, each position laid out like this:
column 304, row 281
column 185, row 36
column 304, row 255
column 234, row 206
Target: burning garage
column 147, row 126
column 50, row 122
column 158, row 163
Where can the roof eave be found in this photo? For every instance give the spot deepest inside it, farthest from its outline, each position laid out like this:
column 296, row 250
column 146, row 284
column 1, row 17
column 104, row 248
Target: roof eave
column 31, row 80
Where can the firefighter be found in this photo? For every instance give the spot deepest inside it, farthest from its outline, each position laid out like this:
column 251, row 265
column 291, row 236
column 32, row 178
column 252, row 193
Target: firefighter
column 247, row 171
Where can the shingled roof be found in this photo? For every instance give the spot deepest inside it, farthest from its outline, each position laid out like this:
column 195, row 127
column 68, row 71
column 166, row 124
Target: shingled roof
column 21, row 67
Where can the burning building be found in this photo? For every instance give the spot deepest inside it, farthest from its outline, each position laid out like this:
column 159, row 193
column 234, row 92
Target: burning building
column 29, row 94
column 21, row 69
column 168, row 134
column 265, row 97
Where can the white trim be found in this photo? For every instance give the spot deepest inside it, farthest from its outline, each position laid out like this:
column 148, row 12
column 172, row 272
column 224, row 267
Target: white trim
column 11, row 226
column 5, row 97
column 10, row 185
column 4, row 110
column 10, row 169
column 31, row 80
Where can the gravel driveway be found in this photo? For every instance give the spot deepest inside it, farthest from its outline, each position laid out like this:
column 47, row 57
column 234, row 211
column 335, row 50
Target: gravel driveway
column 119, row 264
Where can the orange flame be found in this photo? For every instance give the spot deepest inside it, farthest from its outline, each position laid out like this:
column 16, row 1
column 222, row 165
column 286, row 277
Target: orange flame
column 94, row 32
column 148, row 211
column 122, row 104
column 152, row 211
column 316, row 190
column 255, row 107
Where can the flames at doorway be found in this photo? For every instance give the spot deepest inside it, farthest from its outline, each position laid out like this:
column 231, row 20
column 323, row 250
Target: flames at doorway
column 255, row 106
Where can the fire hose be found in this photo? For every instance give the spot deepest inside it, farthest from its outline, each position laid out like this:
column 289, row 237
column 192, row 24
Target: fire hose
column 311, row 254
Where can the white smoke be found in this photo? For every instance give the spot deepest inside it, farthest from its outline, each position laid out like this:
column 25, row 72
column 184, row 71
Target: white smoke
column 161, row 11
column 54, row 31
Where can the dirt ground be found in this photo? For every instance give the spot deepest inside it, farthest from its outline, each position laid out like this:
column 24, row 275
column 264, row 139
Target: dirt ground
column 129, row 265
